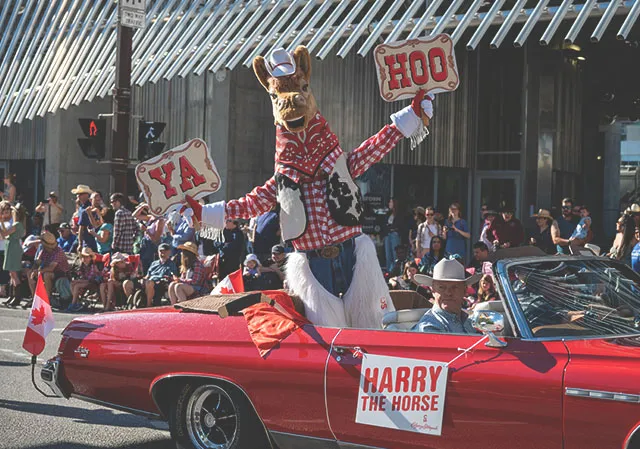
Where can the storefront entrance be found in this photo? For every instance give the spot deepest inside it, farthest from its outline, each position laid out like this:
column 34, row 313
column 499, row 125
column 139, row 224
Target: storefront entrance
column 495, row 189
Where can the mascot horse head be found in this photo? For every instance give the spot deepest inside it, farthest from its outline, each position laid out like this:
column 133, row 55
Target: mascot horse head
column 285, row 76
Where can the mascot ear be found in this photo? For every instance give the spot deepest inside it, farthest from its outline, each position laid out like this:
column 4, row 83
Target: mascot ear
column 261, row 71
column 303, row 60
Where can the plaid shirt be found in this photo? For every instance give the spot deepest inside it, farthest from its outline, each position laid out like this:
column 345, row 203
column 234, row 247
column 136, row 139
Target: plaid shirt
column 56, row 256
column 125, row 230
column 89, row 273
column 322, row 230
column 194, row 276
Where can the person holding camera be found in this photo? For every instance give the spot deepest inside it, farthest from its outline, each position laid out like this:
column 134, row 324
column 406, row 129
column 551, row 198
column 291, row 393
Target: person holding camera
column 52, row 213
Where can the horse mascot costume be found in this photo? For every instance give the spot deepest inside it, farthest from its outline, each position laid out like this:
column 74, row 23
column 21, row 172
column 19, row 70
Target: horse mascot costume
column 334, row 269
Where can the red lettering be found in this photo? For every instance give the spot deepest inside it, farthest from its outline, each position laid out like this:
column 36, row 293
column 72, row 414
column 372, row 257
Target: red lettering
column 406, row 403
column 370, row 381
column 425, row 403
column 157, row 174
column 419, row 377
column 190, row 177
column 415, row 403
column 401, row 60
column 395, row 403
column 434, row 374
column 434, row 403
column 383, row 403
column 364, row 402
column 422, row 76
column 402, row 377
column 373, row 404
column 386, row 381
column 437, row 53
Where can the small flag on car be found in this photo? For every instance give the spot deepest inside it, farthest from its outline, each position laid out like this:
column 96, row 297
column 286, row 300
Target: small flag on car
column 233, row 283
column 41, row 321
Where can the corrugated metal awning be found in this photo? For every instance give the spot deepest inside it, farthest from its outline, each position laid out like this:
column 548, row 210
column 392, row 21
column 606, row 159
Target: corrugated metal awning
column 59, row 53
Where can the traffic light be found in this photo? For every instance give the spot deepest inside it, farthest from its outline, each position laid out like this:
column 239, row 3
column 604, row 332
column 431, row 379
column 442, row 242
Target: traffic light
column 148, row 134
column 95, row 131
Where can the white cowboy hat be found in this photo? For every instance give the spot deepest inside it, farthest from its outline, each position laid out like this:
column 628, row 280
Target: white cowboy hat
column 280, row 63
column 450, row 271
column 81, row 188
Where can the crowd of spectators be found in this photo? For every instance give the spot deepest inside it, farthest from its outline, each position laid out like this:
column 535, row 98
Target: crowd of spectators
column 120, row 255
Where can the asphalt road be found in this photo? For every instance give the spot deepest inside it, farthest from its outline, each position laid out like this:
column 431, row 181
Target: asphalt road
column 29, row 420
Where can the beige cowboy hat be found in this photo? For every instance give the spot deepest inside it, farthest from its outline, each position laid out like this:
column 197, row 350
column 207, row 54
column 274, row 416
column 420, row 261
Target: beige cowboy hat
column 118, row 257
column 543, row 213
column 88, row 252
column 48, row 240
column 81, row 188
column 633, row 209
column 447, row 270
column 189, row 246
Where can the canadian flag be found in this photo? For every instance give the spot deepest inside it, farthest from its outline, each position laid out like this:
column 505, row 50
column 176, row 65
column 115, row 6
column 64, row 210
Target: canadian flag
column 233, row 283
column 41, row 320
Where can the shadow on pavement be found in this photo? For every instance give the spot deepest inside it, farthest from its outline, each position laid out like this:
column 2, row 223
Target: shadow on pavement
column 8, row 363
column 158, row 444
column 80, row 415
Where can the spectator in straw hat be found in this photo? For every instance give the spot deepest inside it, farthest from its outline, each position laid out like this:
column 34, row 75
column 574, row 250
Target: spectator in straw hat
column 449, row 283
column 82, row 193
column 192, row 282
column 51, row 263
column 541, row 235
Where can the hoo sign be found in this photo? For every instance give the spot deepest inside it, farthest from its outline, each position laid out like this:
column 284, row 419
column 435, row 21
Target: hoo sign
column 405, row 67
column 403, row 394
column 185, row 170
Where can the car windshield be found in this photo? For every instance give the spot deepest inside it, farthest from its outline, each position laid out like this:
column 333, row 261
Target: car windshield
column 577, row 297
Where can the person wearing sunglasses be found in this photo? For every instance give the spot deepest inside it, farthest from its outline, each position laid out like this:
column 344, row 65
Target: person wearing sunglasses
column 563, row 227
column 426, row 231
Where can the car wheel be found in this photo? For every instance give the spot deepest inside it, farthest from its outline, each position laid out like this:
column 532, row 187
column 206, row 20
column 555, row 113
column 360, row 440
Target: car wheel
column 212, row 417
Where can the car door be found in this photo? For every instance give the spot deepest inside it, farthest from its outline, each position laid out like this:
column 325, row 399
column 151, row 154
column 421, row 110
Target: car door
column 506, row 397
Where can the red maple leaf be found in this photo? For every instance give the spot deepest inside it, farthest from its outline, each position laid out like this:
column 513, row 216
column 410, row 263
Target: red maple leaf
column 225, row 290
column 38, row 315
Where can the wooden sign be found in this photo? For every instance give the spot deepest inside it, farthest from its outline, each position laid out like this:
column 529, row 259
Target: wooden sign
column 405, row 67
column 168, row 177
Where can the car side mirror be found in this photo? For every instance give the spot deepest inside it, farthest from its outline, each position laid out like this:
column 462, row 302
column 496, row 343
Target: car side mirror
column 488, row 322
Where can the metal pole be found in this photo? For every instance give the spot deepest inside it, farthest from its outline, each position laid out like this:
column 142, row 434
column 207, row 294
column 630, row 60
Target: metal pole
column 121, row 111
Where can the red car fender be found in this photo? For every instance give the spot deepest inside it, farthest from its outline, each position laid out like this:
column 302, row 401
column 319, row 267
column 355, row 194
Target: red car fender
column 158, row 395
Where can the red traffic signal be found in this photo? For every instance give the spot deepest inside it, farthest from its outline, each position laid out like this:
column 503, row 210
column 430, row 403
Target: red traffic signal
column 95, row 131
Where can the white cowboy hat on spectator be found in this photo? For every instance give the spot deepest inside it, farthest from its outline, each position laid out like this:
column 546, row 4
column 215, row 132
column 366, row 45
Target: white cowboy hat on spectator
column 280, row 63
column 633, row 209
column 81, row 188
column 118, row 257
column 251, row 257
column 447, row 270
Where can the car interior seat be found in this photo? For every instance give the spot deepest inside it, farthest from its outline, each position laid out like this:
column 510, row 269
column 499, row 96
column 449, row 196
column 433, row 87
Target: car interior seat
column 402, row 320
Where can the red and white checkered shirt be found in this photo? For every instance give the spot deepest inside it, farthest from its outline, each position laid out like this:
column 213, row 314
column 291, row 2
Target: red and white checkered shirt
column 322, row 230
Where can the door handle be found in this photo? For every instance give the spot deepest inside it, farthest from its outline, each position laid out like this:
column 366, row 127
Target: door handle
column 355, row 351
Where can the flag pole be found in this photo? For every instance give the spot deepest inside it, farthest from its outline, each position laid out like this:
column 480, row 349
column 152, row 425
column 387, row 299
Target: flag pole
column 34, row 359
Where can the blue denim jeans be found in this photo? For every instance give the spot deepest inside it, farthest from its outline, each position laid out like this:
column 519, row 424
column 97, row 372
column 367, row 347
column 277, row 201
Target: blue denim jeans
column 390, row 242
column 335, row 275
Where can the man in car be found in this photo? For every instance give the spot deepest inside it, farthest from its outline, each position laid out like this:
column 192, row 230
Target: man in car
column 449, row 283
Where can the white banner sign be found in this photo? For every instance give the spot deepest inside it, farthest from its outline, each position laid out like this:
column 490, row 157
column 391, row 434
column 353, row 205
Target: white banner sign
column 403, row 394
column 185, row 170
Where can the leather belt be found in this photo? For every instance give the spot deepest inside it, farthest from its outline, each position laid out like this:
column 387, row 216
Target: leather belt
column 331, row 251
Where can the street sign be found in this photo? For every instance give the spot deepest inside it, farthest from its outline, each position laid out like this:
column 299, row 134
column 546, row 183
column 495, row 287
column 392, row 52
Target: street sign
column 148, row 134
column 133, row 13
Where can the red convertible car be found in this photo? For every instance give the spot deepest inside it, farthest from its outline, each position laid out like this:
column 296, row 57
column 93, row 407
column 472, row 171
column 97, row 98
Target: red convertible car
column 558, row 367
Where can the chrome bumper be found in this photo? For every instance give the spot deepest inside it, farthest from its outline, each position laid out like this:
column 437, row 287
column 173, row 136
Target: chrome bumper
column 50, row 375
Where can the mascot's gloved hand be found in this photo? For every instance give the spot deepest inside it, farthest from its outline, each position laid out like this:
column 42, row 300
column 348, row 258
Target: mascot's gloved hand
column 212, row 215
column 411, row 120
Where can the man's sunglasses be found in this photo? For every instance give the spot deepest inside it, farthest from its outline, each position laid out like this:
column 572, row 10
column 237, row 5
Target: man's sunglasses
column 429, row 215
column 566, row 207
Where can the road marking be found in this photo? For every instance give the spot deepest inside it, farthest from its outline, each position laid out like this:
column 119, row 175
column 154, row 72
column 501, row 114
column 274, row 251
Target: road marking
column 15, row 353
column 13, row 331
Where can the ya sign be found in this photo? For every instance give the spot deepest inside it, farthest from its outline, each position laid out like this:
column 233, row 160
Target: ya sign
column 168, row 177
column 403, row 394
column 405, row 67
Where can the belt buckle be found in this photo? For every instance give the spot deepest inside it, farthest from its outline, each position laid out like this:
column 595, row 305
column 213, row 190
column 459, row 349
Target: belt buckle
column 330, row 252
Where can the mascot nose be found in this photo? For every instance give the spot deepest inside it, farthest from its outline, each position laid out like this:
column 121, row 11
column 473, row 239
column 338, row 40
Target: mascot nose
column 299, row 100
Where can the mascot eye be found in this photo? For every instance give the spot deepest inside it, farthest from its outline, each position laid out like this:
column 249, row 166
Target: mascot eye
column 273, row 96
column 305, row 88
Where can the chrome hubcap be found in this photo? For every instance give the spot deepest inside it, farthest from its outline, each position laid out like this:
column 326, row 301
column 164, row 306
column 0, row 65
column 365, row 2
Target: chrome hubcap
column 211, row 416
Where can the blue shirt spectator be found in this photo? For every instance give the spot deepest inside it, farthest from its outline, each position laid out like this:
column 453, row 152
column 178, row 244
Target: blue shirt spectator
column 267, row 234
column 87, row 239
column 68, row 244
column 181, row 234
column 635, row 258
column 160, row 270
